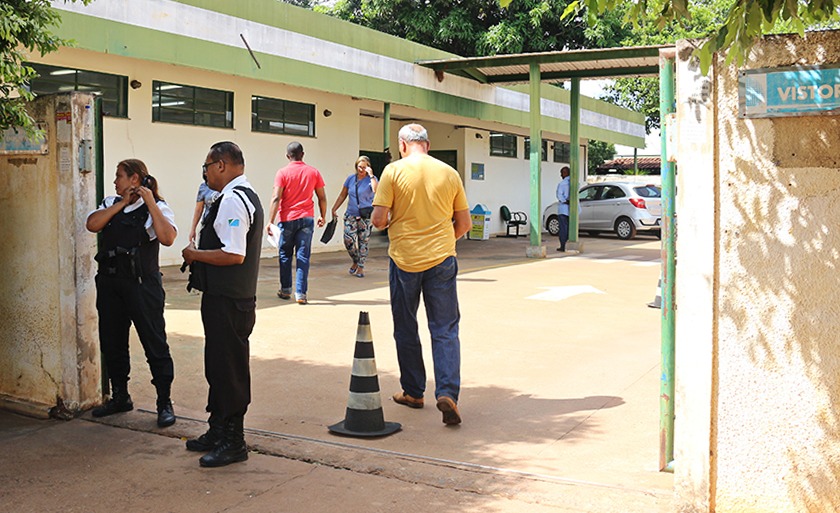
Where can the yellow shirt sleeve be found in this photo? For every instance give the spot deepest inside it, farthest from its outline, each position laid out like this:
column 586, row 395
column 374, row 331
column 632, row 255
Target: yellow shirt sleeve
column 384, row 196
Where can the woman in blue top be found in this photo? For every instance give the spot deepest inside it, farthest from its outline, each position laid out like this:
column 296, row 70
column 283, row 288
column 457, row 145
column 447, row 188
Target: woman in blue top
column 360, row 188
column 205, row 197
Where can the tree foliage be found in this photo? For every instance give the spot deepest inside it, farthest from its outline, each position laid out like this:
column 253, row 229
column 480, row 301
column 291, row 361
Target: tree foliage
column 642, row 94
column 25, row 26
column 471, row 27
column 599, row 152
column 742, row 24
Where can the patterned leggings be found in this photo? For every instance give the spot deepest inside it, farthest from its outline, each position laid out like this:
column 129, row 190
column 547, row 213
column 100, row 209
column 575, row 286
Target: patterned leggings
column 356, row 237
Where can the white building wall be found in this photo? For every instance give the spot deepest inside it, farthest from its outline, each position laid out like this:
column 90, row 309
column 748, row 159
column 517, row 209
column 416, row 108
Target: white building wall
column 174, row 152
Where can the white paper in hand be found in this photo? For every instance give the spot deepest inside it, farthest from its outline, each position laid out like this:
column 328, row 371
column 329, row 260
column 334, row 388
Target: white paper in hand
column 273, row 235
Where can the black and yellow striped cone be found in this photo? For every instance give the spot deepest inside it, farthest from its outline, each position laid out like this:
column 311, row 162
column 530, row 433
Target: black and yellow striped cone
column 364, row 416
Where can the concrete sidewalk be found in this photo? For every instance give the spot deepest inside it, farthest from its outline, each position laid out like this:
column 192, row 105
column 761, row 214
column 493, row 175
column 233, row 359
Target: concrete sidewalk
column 560, row 368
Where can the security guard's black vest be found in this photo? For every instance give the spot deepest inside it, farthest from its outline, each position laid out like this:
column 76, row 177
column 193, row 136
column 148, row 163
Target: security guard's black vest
column 234, row 281
column 125, row 248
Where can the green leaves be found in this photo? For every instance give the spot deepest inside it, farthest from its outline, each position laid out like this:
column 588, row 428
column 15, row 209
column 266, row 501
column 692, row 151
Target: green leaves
column 23, row 24
column 599, row 152
column 735, row 32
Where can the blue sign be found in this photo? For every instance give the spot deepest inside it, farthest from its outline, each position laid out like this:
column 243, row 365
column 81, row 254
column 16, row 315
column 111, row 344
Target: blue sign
column 477, row 171
column 16, row 141
column 788, row 91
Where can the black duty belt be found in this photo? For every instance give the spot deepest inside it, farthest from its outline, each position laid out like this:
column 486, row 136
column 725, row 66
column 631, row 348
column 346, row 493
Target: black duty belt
column 120, row 263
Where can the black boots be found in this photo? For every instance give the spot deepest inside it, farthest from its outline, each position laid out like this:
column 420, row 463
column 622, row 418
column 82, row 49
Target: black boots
column 165, row 413
column 209, row 440
column 232, row 447
column 120, row 401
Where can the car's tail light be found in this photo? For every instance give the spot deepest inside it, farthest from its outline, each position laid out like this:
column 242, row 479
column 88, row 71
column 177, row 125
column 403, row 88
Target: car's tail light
column 638, row 202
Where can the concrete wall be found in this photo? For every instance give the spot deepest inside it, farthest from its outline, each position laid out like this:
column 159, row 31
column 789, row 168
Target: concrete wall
column 758, row 363
column 49, row 357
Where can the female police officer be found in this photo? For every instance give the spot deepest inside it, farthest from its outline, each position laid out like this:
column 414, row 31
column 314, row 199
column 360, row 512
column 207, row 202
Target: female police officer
column 128, row 284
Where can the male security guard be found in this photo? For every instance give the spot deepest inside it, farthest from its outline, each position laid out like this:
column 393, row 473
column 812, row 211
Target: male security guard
column 225, row 267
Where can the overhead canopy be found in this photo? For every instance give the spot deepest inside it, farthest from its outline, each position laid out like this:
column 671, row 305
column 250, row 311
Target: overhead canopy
column 535, row 68
column 554, row 66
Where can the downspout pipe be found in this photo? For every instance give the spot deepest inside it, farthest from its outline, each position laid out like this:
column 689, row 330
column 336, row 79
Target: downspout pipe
column 386, row 128
column 667, row 106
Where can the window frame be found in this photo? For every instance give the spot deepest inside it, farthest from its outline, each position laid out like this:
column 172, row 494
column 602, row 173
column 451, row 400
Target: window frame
column 256, row 120
column 158, row 86
column 608, row 190
column 595, row 195
column 567, row 154
column 509, row 147
column 543, row 150
column 45, row 71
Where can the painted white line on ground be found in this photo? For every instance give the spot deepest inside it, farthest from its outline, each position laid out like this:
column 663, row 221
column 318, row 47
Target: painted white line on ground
column 561, row 293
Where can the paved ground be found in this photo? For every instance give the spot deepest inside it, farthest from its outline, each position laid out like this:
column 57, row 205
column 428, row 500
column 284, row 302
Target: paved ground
column 560, row 401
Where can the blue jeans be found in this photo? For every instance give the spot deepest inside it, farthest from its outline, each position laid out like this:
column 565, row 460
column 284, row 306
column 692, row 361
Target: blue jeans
column 441, row 300
column 564, row 230
column 295, row 239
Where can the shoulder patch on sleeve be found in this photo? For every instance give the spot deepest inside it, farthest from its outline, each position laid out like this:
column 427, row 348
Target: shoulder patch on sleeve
column 233, row 222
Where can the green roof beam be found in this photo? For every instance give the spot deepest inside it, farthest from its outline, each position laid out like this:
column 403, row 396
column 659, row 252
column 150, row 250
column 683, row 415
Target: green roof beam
column 568, row 75
column 451, row 65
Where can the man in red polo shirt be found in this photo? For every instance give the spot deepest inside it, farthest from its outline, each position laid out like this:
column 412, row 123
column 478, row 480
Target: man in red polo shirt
column 293, row 188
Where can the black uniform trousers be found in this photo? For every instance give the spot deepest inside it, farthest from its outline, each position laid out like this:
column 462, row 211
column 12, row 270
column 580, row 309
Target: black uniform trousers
column 121, row 302
column 227, row 323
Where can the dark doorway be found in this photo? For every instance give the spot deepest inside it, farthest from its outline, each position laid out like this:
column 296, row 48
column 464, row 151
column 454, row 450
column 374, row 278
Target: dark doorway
column 448, row 156
column 378, row 160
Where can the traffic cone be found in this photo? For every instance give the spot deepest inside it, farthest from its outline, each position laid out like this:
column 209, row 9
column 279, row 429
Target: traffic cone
column 364, row 417
column 657, row 301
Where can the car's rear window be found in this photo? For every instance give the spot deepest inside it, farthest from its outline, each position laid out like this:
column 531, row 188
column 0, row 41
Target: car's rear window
column 647, row 191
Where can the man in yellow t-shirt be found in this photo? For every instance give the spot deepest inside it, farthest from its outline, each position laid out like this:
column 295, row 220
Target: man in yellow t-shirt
column 422, row 202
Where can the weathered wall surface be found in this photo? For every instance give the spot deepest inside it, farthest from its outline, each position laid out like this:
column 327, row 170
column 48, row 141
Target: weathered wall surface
column 695, row 276
column 769, row 330
column 49, row 358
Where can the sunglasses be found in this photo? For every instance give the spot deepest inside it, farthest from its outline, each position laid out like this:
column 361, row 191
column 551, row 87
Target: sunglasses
column 205, row 166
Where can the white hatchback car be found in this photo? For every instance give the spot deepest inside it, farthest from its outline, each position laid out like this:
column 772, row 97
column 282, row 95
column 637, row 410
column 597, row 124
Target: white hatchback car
column 621, row 207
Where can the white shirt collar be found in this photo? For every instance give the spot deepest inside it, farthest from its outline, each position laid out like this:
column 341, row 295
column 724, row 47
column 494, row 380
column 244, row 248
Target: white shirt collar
column 236, row 182
column 134, row 206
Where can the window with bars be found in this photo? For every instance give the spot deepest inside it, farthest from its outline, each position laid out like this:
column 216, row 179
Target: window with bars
column 60, row 79
column 543, row 153
column 282, row 116
column 562, row 152
column 190, row 105
column 502, row 145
